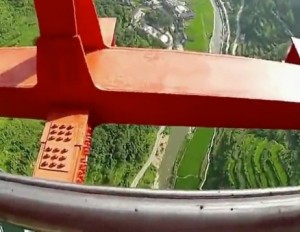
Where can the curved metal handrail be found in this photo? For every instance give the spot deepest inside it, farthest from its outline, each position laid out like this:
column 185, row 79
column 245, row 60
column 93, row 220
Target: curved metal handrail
column 53, row 206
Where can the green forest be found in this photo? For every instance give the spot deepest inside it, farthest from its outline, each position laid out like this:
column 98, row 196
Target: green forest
column 265, row 27
column 118, row 152
column 243, row 159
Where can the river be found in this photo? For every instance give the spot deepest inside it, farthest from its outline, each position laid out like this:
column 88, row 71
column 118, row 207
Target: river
column 177, row 136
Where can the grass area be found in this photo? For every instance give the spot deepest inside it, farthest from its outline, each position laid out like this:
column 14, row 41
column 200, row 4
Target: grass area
column 3, row 122
column 195, row 152
column 188, row 183
column 192, row 159
column 199, row 30
column 148, row 179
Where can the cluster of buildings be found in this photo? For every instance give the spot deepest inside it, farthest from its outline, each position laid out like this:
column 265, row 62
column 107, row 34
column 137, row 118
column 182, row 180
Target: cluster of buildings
column 178, row 9
column 165, row 37
column 125, row 2
column 152, row 3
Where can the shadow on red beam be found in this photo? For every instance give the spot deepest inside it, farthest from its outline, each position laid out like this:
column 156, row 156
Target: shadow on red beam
column 182, row 110
column 18, row 67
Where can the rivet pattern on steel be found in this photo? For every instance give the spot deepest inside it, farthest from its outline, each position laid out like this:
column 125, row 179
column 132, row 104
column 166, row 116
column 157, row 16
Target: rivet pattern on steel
column 59, row 135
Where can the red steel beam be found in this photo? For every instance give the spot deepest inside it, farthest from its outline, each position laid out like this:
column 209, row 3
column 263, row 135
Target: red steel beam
column 293, row 52
column 121, row 85
column 74, row 68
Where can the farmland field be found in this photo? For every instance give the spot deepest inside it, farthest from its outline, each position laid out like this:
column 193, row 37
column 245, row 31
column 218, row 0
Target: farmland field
column 200, row 29
column 189, row 169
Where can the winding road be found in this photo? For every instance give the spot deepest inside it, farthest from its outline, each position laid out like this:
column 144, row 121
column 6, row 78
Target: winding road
column 238, row 28
column 215, row 44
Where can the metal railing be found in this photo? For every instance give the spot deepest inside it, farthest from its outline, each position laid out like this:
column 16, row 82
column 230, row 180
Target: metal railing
column 53, row 206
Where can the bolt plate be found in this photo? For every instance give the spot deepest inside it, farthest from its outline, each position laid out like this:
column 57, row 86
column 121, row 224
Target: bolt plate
column 57, row 152
column 62, row 144
column 57, row 158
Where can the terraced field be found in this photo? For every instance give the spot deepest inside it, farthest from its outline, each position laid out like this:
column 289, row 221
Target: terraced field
column 252, row 160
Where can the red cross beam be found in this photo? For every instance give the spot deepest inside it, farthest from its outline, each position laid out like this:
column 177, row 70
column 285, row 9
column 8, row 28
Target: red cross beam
column 75, row 65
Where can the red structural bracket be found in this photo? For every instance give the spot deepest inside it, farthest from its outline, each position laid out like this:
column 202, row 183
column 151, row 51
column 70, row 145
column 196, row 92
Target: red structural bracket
column 70, row 18
column 294, row 52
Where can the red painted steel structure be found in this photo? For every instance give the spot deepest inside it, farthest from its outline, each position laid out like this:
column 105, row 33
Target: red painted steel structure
column 76, row 67
column 76, row 78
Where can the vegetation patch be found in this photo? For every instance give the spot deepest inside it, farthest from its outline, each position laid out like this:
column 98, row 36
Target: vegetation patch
column 187, row 183
column 19, row 145
column 258, row 164
column 148, row 179
column 193, row 157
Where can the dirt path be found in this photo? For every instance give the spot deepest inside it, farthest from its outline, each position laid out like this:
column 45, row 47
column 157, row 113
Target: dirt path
column 238, row 28
column 150, row 159
column 226, row 21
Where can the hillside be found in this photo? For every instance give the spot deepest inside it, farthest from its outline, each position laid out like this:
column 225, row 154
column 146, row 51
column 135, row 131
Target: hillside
column 258, row 158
